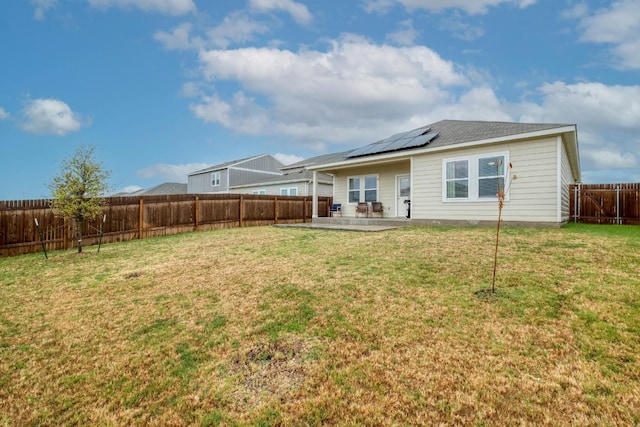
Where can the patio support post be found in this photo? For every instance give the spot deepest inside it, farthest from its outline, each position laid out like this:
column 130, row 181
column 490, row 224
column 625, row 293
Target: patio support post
column 314, row 212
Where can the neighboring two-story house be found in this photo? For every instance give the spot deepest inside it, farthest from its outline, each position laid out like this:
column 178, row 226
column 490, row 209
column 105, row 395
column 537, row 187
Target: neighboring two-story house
column 295, row 180
column 223, row 177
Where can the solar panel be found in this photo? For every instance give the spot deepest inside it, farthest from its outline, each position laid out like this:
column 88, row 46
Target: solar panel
column 419, row 140
column 400, row 141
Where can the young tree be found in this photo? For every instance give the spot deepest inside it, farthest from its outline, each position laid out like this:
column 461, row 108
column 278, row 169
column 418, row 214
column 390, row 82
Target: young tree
column 501, row 193
column 78, row 191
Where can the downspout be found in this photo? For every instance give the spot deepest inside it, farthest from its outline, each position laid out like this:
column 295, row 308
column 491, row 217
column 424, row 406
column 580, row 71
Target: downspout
column 314, row 212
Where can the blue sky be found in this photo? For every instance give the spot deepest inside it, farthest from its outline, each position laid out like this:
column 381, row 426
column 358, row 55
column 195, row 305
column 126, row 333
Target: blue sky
column 162, row 88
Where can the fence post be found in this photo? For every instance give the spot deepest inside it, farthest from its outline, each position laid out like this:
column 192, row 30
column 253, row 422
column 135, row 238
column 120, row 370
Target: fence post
column 618, row 220
column 141, row 219
column 241, row 209
column 579, row 200
column 575, row 202
column 196, row 213
column 275, row 210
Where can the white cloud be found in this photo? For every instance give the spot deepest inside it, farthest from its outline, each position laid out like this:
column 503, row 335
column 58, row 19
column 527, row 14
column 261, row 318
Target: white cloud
column 608, row 119
column 471, row 7
column 406, row 36
column 591, row 103
column 179, row 38
column 618, row 26
column 41, row 7
column 168, row 172
column 3, row 114
column 378, row 6
column 355, row 85
column 461, row 29
column 298, row 11
column 50, row 116
column 235, row 28
column 169, row 7
column 288, row 159
column 607, row 159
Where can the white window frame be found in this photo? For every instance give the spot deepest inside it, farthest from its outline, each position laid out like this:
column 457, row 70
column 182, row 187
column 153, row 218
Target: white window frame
column 261, row 192
column 362, row 188
column 215, row 179
column 288, row 191
column 473, row 162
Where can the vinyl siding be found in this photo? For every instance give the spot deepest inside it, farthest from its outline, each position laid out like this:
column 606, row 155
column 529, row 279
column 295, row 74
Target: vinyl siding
column 386, row 185
column 304, row 189
column 262, row 163
column 532, row 197
column 242, row 177
column 566, row 181
column 201, row 183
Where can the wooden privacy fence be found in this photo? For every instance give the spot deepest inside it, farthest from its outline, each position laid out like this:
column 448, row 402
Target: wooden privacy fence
column 128, row 218
column 606, row 203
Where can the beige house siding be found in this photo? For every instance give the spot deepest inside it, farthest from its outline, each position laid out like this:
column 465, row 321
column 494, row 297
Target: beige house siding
column 386, row 174
column 532, row 197
column 304, row 189
column 566, row 181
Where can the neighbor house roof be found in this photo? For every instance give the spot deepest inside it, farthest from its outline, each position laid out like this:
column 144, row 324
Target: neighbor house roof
column 288, row 178
column 164, row 189
column 228, row 164
column 450, row 133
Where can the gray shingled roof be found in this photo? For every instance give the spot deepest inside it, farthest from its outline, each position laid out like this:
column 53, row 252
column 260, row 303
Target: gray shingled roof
column 164, row 189
column 460, row 131
column 287, row 178
column 226, row 164
column 452, row 132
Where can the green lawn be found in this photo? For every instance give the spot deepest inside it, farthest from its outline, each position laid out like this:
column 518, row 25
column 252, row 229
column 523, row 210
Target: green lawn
column 281, row 326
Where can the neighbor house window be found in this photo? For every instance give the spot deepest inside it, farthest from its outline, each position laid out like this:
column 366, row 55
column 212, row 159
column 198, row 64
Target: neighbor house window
column 363, row 189
column 289, row 191
column 259, row 192
column 215, row 179
column 475, row 177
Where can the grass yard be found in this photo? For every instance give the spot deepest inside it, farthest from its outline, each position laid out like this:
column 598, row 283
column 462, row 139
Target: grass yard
column 278, row 326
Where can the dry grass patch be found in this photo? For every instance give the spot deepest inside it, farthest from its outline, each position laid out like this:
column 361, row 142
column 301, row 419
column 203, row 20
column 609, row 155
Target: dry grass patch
column 270, row 326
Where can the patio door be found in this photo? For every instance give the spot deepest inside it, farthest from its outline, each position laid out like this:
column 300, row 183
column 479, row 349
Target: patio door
column 403, row 193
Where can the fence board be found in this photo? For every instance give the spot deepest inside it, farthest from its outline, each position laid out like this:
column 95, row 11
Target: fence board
column 129, row 218
column 606, row 203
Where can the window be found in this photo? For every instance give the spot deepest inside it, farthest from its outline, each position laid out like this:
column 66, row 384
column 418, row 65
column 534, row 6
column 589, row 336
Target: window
column 259, row 192
column 490, row 176
column 215, row 179
column 457, row 179
column 474, row 178
column 363, row 189
column 289, row 191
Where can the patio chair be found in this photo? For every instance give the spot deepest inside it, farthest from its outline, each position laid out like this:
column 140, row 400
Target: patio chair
column 362, row 208
column 376, row 208
column 335, row 210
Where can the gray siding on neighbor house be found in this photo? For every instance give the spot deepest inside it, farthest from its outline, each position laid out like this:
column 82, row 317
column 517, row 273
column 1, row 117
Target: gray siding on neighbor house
column 263, row 163
column 232, row 173
column 201, row 183
column 242, row 176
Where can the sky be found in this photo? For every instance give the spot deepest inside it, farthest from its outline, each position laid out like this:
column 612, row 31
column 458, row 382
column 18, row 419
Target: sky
column 162, row 88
